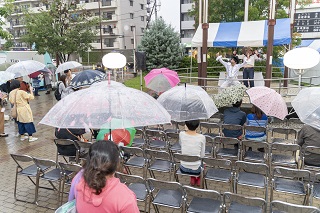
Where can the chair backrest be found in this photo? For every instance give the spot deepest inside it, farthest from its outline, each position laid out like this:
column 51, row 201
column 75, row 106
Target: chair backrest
column 258, row 168
column 160, row 184
column 82, row 144
column 177, row 157
column 202, row 193
column 140, row 132
column 231, row 127
column 206, row 127
column 21, row 158
column 274, row 120
column 229, row 197
column 70, row 167
column 284, row 207
column 218, row 163
column 216, row 117
column 63, row 142
column 133, row 150
column 254, row 144
column 285, row 147
column 159, row 134
column 45, row 162
column 291, row 173
column 284, row 132
column 226, row 140
column 172, row 137
column 255, row 128
column 157, row 154
column 128, row 179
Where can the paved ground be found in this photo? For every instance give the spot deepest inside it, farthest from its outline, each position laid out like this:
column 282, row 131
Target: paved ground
column 45, row 148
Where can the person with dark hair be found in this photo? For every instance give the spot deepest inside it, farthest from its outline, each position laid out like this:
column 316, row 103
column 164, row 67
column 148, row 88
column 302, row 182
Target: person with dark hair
column 2, row 97
column 72, row 134
column 100, row 68
column 192, row 144
column 21, row 98
column 232, row 69
column 63, row 88
column 99, row 190
column 68, row 74
column 256, row 118
column 233, row 115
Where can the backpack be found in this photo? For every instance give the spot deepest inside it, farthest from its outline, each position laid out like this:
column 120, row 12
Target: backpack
column 57, row 94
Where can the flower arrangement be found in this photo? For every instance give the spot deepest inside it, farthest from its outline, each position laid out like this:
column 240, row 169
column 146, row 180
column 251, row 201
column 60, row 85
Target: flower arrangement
column 229, row 95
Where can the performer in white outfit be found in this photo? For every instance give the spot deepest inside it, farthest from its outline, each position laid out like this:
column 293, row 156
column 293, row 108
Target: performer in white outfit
column 232, row 69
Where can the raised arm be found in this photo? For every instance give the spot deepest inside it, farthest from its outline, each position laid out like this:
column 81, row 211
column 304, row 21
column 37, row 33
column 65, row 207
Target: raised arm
column 219, row 58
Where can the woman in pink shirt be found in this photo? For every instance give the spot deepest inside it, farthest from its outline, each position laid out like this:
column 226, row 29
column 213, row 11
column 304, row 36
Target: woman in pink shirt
column 98, row 190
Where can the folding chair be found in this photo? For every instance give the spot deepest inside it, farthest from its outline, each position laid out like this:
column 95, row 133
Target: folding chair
column 216, row 118
column 219, row 170
column 136, row 159
column 315, row 190
column 254, row 151
column 174, row 128
column 168, row 194
column 211, row 129
column 277, row 206
column 251, row 174
column 202, row 200
column 159, row 161
column 68, row 172
column 235, row 203
column 139, row 140
column 52, row 174
column 274, row 122
column 138, row 185
column 295, row 123
column 29, row 170
column 65, row 143
column 284, row 135
column 255, row 129
column 156, row 139
column 83, row 149
column 210, row 145
column 313, row 154
column 177, row 158
column 292, row 181
column 227, row 148
column 284, row 155
column 173, row 142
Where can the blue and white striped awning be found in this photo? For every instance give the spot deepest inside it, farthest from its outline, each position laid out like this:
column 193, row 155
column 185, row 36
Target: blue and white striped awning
column 314, row 44
column 240, row 34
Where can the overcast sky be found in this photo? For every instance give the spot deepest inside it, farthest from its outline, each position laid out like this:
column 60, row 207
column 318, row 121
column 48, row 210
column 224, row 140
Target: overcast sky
column 170, row 12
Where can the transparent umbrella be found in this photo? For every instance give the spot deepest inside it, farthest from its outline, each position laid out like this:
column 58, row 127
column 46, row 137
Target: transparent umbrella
column 68, row 65
column 187, row 102
column 24, row 68
column 96, row 106
column 307, row 106
column 5, row 76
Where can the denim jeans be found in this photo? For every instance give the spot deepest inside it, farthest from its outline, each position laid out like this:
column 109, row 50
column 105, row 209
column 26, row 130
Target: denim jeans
column 248, row 73
column 190, row 171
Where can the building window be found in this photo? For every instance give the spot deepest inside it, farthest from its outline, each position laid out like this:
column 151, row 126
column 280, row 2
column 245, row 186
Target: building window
column 132, row 41
column 109, row 42
column 96, row 14
column 142, row 18
column 106, row 3
column 142, row 30
column 141, row 6
column 131, row 3
column 131, row 15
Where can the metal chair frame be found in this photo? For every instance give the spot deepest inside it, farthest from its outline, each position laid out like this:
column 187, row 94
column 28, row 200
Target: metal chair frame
column 284, row 149
column 254, row 155
column 315, row 188
column 137, row 154
column 173, row 142
column 66, row 142
column 285, row 132
column 140, row 139
column 83, row 149
column 255, row 129
column 222, row 152
column 277, row 206
column 157, row 158
column 153, row 136
column 231, row 127
column 207, row 128
column 232, row 198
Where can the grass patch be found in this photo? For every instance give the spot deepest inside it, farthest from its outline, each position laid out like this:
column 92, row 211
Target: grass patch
column 135, row 82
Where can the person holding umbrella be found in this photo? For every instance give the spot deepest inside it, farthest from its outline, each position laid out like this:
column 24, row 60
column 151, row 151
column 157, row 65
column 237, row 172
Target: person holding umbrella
column 232, row 69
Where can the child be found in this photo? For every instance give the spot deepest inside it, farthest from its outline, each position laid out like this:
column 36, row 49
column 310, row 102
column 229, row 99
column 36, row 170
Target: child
column 232, row 69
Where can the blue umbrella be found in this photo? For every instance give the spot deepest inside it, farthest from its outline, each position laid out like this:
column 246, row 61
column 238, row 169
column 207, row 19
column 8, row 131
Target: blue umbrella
column 86, row 78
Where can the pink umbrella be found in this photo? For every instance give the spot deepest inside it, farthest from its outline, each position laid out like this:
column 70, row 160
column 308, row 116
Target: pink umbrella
column 161, row 80
column 269, row 101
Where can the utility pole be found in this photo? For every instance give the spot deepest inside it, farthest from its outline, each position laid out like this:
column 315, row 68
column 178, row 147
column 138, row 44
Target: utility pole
column 202, row 52
column 271, row 23
column 155, row 9
column 246, row 10
column 100, row 26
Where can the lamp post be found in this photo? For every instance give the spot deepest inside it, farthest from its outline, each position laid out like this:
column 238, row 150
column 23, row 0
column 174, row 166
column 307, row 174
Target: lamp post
column 271, row 23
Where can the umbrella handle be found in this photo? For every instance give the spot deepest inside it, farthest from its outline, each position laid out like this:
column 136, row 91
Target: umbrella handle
column 292, row 111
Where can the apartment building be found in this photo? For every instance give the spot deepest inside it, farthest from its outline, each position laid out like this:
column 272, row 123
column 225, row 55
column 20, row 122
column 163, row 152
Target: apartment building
column 119, row 20
column 187, row 22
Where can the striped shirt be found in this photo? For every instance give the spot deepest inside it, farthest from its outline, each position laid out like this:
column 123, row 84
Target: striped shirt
column 253, row 121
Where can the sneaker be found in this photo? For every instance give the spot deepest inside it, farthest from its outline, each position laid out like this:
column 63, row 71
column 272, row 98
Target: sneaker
column 3, row 135
column 31, row 139
column 23, row 137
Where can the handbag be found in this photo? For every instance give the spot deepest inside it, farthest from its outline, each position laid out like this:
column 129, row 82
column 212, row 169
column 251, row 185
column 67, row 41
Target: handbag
column 14, row 113
column 69, row 207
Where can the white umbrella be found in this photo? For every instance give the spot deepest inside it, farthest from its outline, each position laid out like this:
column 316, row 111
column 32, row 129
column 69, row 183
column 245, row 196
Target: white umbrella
column 187, row 102
column 307, row 106
column 99, row 105
column 68, row 65
column 5, row 76
column 24, row 68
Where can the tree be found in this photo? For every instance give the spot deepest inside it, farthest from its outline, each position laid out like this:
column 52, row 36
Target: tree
column 162, row 46
column 4, row 13
column 63, row 29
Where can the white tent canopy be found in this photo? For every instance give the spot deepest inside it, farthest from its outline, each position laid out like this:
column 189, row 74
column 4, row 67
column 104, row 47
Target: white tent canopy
column 238, row 34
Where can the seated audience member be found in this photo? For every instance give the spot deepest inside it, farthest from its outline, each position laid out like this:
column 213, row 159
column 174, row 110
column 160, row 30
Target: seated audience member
column 309, row 136
column 233, row 115
column 256, row 118
column 192, row 144
column 72, row 134
column 98, row 190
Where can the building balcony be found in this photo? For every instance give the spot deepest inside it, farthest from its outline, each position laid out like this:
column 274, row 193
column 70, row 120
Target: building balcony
column 95, row 5
column 187, row 25
column 185, row 8
column 115, row 45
